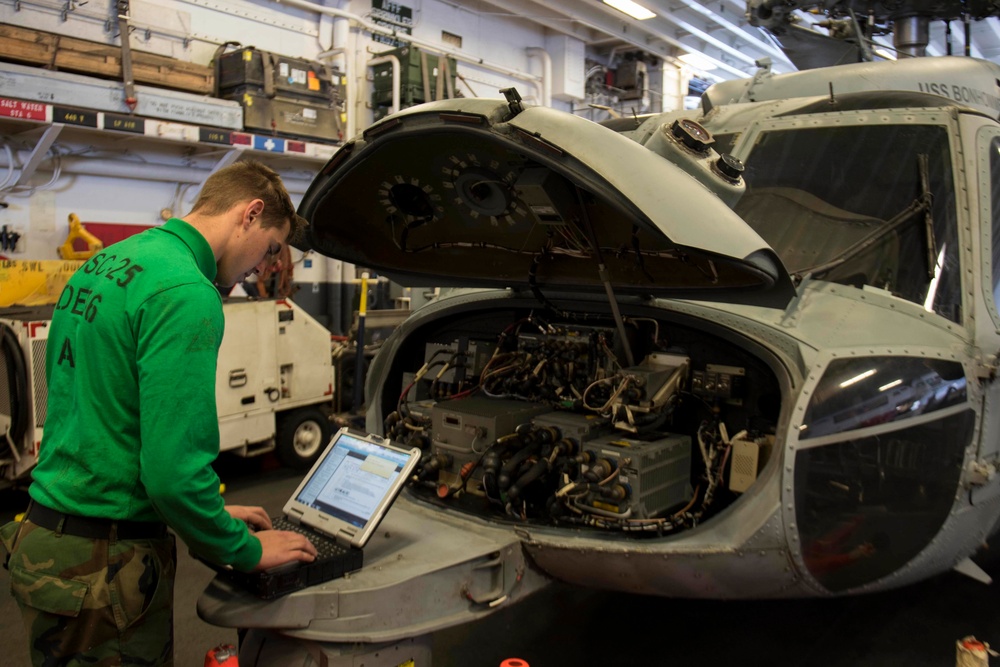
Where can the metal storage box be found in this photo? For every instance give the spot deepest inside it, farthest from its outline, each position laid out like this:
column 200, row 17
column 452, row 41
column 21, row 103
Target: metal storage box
column 290, row 117
column 251, row 69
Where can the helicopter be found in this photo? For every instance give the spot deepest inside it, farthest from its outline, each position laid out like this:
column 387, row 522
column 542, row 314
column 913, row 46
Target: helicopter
column 746, row 351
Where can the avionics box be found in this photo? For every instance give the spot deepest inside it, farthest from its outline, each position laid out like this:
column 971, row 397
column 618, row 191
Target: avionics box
column 658, row 472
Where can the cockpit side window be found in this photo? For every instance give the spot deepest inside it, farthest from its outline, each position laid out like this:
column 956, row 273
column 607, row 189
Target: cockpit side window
column 995, row 207
column 860, row 205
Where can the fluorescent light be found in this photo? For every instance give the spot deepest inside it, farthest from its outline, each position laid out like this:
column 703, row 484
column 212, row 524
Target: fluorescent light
column 894, row 383
column 858, row 378
column 633, row 9
column 697, row 61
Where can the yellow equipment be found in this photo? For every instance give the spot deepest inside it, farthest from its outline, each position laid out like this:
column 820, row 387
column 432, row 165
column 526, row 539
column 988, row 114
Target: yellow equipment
column 34, row 283
column 78, row 232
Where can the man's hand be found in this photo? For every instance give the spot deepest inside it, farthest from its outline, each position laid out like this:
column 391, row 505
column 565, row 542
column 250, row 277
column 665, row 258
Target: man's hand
column 254, row 517
column 283, row 546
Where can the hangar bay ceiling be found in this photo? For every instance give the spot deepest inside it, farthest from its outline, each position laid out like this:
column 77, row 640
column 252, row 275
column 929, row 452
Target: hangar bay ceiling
column 730, row 43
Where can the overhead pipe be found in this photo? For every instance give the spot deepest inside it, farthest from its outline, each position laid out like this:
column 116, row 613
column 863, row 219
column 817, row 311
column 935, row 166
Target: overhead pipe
column 415, row 41
column 642, row 68
column 613, row 53
column 349, row 129
column 337, row 56
column 141, row 171
column 546, row 84
column 395, row 77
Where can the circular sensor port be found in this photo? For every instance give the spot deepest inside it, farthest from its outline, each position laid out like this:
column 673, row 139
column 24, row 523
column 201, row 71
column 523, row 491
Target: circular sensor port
column 483, row 191
column 411, row 200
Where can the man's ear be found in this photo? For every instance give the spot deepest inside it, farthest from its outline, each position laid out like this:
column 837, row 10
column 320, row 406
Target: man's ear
column 252, row 212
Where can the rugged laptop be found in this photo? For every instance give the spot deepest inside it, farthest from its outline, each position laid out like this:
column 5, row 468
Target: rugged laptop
column 338, row 506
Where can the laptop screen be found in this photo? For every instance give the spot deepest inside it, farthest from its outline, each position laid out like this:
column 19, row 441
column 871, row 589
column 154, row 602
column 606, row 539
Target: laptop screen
column 352, row 479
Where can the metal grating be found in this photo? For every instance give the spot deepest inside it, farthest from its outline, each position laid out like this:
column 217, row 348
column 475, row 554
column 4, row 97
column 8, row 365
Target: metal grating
column 664, row 475
column 744, row 465
column 39, row 384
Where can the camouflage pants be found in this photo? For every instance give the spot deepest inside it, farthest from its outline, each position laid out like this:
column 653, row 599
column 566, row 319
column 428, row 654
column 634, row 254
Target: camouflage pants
column 92, row 602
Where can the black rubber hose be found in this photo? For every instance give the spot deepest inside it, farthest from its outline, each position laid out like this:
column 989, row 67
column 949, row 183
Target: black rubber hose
column 504, row 480
column 540, row 467
column 437, row 462
column 17, row 382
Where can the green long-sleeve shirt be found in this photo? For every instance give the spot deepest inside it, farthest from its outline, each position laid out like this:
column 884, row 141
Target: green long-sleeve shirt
column 132, row 427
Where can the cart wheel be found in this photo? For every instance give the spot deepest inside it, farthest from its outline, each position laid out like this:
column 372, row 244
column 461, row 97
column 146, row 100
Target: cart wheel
column 302, row 435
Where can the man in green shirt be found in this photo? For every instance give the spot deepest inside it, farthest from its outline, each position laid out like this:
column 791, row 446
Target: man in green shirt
column 132, row 430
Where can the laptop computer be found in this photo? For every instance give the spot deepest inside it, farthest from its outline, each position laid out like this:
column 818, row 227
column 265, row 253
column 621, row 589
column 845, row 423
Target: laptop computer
column 338, row 505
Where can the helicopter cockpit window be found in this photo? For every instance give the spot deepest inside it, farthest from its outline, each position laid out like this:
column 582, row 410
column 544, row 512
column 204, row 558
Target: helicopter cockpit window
column 995, row 207
column 867, row 505
column 860, row 205
column 859, row 392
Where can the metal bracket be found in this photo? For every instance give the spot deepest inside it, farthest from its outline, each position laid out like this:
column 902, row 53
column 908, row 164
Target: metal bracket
column 39, row 152
column 493, row 571
column 513, row 101
column 127, row 75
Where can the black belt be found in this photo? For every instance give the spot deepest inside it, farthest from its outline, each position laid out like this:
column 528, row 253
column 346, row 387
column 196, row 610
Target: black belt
column 94, row 529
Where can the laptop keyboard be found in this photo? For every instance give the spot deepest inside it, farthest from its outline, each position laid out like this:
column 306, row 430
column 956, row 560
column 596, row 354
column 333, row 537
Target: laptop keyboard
column 326, row 547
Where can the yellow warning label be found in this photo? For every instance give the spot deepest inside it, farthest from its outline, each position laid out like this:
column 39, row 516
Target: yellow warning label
column 408, row 663
column 607, row 507
column 34, row 283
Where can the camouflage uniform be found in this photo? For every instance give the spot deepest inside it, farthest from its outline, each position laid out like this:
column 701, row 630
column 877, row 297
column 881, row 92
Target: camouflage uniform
column 92, row 602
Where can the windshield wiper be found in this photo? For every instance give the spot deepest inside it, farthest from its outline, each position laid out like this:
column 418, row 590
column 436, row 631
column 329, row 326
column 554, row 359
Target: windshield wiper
column 922, row 203
column 928, row 199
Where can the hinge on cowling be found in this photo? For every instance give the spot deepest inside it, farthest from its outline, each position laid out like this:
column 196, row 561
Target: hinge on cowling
column 980, row 473
column 986, row 369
